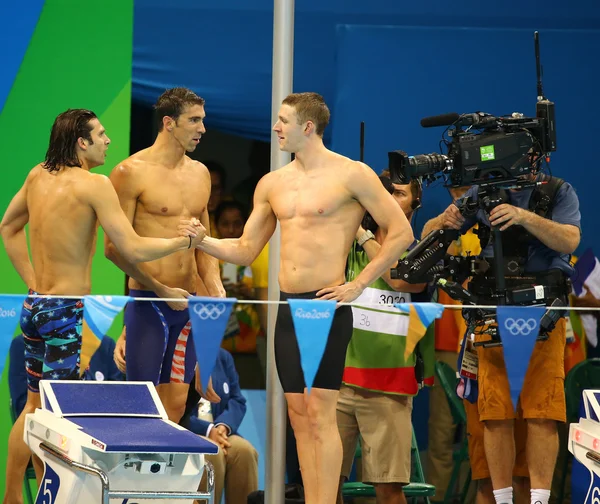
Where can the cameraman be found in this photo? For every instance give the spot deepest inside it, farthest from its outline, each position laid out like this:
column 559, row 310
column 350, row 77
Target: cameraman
column 544, row 245
column 375, row 401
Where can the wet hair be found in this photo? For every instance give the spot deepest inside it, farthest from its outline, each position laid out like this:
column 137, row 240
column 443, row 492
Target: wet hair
column 229, row 205
column 310, row 107
column 68, row 127
column 173, row 102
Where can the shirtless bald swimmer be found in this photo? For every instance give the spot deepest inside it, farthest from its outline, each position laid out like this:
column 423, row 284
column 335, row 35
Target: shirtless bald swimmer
column 156, row 187
column 62, row 201
column 319, row 200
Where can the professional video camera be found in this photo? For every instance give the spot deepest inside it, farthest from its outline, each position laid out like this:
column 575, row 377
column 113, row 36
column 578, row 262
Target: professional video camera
column 505, row 148
column 495, row 154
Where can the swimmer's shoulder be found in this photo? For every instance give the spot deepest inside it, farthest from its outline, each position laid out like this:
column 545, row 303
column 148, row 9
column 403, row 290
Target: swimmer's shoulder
column 131, row 168
column 91, row 185
column 348, row 167
column 274, row 178
column 34, row 173
column 196, row 166
column 353, row 175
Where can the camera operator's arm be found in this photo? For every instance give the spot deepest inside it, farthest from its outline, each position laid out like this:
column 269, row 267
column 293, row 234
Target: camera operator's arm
column 450, row 219
column 562, row 233
column 562, row 238
column 371, row 247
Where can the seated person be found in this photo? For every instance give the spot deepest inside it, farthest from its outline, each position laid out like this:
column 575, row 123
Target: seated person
column 101, row 368
column 236, row 464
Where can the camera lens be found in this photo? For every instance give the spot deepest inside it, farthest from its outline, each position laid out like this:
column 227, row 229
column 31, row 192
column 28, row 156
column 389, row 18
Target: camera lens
column 154, row 468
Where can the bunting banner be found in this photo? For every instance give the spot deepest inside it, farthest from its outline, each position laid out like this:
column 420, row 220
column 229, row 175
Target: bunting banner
column 209, row 318
column 10, row 313
column 519, row 327
column 312, row 322
column 99, row 312
column 421, row 315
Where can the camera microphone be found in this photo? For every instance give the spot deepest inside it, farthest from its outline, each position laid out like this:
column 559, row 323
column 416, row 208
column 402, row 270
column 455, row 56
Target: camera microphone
column 440, row 120
column 478, row 119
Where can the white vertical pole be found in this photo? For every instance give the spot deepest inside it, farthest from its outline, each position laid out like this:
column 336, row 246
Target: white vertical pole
column 283, row 63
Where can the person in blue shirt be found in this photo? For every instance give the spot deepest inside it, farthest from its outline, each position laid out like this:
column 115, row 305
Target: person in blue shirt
column 236, row 464
column 101, row 368
column 544, row 243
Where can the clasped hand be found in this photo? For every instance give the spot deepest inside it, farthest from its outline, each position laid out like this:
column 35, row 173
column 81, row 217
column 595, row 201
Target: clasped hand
column 192, row 227
column 219, row 434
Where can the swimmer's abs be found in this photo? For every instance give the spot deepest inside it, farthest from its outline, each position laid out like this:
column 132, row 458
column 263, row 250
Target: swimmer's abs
column 293, row 279
column 177, row 270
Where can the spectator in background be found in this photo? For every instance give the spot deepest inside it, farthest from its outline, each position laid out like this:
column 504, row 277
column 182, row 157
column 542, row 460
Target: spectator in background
column 236, row 464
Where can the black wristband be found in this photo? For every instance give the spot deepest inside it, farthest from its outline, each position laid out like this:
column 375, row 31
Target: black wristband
column 190, row 245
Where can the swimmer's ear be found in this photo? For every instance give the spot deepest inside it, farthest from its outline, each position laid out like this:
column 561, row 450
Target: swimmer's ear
column 168, row 123
column 310, row 127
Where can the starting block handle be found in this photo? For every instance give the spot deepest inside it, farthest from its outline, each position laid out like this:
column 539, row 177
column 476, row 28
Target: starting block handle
column 107, row 494
column 61, row 457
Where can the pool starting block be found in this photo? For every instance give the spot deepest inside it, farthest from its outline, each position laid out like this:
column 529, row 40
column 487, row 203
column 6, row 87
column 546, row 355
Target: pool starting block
column 112, row 442
column 584, row 444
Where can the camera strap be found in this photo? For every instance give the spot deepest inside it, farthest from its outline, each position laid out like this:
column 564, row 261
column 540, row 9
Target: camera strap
column 543, row 197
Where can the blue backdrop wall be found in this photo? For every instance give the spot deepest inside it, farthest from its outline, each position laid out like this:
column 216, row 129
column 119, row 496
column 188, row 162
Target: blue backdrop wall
column 387, row 63
column 438, row 70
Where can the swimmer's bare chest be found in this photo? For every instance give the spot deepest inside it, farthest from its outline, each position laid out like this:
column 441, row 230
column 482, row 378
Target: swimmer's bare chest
column 314, row 204
column 166, row 197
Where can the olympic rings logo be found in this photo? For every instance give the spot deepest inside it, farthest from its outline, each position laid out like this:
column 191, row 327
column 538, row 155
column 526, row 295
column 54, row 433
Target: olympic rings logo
column 520, row 326
column 209, row 310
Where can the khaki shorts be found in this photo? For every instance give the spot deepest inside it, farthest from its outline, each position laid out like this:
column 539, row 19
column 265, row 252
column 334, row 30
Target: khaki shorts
column 479, row 465
column 383, row 422
column 543, row 393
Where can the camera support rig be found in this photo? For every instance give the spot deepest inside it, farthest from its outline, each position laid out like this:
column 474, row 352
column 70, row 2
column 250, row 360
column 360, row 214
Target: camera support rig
column 504, row 155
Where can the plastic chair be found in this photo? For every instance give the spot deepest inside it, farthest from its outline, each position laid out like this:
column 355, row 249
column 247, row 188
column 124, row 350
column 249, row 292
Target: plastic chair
column 585, row 375
column 448, row 380
column 29, row 472
column 413, row 491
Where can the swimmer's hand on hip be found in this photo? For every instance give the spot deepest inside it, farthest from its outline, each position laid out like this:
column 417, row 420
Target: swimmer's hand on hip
column 345, row 293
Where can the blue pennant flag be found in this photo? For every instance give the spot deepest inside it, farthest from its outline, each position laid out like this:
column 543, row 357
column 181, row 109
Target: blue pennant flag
column 312, row 322
column 519, row 327
column 10, row 312
column 209, row 318
column 99, row 312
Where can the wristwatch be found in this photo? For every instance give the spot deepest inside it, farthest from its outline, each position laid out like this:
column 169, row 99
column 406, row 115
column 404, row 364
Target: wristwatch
column 365, row 237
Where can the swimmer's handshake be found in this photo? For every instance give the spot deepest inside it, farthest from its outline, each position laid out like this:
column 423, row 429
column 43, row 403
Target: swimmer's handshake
column 192, row 228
